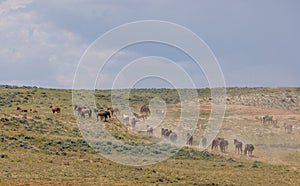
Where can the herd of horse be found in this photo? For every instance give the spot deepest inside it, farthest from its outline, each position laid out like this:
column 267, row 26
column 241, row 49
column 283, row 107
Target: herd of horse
column 223, row 144
column 217, row 143
column 220, row 142
column 107, row 113
column 238, row 146
column 144, row 113
column 54, row 109
column 267, row 119
column 169, row 134
column 99, row 112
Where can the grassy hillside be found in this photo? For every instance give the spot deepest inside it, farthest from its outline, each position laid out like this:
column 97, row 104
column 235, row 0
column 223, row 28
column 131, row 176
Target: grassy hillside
column 44, row 148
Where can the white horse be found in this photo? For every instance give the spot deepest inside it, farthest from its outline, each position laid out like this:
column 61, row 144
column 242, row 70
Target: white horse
column 149, row 130
column 125, row 118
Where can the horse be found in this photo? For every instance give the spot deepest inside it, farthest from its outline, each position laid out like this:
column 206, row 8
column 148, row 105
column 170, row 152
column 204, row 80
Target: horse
column 125, row 119
column 223, row 145
column 149, row 130
column 173, row 137
column 145, row 109
column 103, row 114
column 288, row 128
column 189, row 139
column 113, row 110
column 139, row 116
column 167, row 133
column 55, row 109
column 203, row 141
column 238, row 146
column 162, row 132
column 78, row 108
column 216, row 143
column 275, row 123
column 21, row 110
column 85, row 111
column 33, row 110
column 133, row 122
column 266, row 119
column 97, row 109
column 248, row 149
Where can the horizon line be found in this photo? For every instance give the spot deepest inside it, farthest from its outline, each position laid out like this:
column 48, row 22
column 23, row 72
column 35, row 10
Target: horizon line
column 106, row 89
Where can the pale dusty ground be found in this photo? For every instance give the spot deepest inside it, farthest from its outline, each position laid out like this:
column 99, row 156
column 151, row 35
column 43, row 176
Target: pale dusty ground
column 272, row 144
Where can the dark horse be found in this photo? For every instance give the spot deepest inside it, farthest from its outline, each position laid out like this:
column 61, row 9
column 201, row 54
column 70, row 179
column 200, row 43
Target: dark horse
column 145, row 109
column 189, row 139
column 238, row 146
column 21, row 110
column 215, row 143
column 103, row 114
column 248, row 149
column 55, row 109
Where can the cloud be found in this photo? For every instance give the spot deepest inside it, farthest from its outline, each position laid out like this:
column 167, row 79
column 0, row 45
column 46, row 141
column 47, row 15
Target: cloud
column 36, row 51
column 12, row 5
column 42, row 41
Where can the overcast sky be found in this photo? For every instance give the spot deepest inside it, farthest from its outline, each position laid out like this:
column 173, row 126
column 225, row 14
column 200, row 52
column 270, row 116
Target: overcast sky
column 256, row 42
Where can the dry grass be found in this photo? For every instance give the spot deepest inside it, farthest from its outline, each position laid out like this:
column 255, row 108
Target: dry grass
column 47, row 149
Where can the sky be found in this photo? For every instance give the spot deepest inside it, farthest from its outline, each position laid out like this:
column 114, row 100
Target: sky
column 256, row 43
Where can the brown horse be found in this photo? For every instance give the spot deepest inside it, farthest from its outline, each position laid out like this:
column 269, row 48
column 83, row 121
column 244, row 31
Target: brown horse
column 145, row 109
column 216, row 143
column 55, row 109
column 85, row 111
column 96, row 110
column 33, row 110
column 140, row 116
column 103, row 114
column 238, row 146
column 114, row 111
column 21, row 110
column 288, row 128
column 248, row 149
